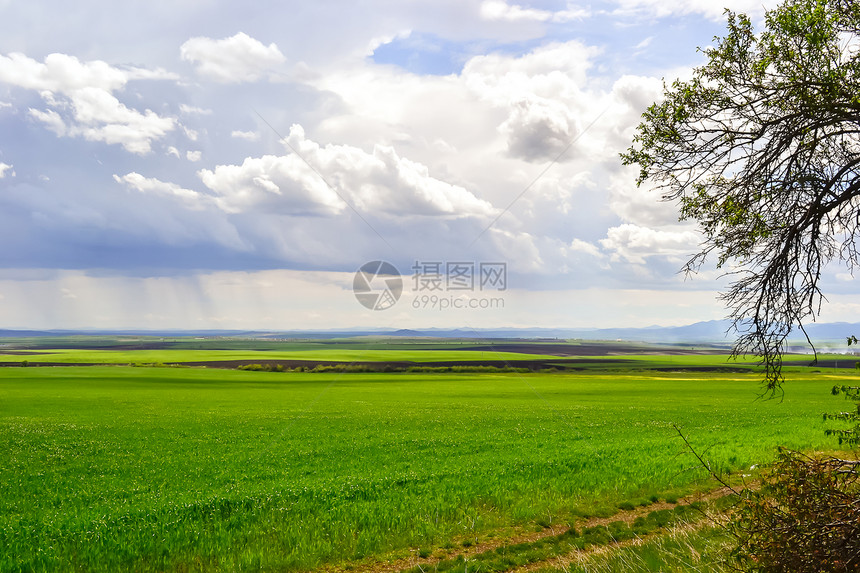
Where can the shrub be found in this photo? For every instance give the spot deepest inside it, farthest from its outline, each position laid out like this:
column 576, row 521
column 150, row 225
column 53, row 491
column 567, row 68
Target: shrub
column 805, row 517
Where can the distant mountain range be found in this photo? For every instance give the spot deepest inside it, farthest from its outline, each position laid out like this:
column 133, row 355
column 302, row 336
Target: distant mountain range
column 714, row 332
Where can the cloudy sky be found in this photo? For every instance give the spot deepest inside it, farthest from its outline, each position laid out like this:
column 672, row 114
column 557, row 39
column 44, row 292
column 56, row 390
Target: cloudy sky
column 210, row 164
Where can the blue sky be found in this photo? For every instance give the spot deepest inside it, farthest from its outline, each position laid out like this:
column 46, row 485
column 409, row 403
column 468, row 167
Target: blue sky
column 207, row 164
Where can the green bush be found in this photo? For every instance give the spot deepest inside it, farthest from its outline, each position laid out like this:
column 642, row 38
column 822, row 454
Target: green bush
column 805, row 517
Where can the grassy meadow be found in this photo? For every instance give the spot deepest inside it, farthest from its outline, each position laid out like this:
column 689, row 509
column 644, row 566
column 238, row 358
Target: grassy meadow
column 172, row 356
column 198, row 469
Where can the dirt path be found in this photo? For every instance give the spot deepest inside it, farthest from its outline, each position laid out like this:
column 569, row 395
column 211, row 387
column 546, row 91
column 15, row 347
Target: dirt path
column 580, row 556
column 628, row 516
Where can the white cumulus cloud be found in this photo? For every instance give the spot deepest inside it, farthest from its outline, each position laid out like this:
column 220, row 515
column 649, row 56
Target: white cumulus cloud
column 538, row 129
column 81, row 101
column 60, row 73
column 274, row 184
column 192, row 110
column 380, row 182
column 143, row 184
column 554, row 71
column 239, row 58
column 580, row 246
column 639, row 205
column 541, row 94
column 634, row 244
column 246, row 135
column 501, row 10
column 708, row 8
column 5, row 168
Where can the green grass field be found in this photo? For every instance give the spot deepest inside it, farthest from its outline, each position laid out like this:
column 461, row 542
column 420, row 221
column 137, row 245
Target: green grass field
column 350, row 353
column 178, row 469
column 168, row 356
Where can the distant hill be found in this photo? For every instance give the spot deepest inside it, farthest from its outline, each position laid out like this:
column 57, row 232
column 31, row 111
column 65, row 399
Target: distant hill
column 27, row 333
column 712, row 332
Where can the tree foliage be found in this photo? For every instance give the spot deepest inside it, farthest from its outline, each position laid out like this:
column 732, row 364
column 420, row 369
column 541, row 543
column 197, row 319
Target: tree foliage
column 761, row 147
column 805, row 517
column 850, row 435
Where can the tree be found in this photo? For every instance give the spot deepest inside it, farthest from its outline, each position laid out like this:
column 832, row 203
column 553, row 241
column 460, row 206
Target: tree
column 762, row 148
